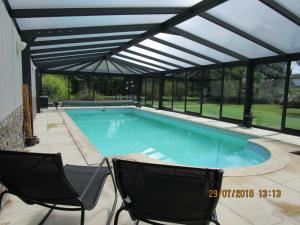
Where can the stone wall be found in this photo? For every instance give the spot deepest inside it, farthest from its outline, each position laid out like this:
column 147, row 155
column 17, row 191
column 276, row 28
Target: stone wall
column 11, row 133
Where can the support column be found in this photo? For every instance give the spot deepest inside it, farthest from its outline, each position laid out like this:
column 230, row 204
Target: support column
column 38, row 90
column 222, row 92
column 138, row 88
column 286, row 94
column 249, row 95
column 185, row 89
column 161, row 91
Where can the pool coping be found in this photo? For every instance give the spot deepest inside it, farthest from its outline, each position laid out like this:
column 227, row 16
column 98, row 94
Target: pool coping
column 278, row 160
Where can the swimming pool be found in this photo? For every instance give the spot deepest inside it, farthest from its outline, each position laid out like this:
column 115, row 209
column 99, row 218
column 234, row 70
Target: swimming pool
column 130, row 130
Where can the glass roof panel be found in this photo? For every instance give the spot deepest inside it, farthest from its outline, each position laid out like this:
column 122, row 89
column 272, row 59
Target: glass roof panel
column 175, row 52
column 89, row 21
column 291, row 5
column 123, row 69
column 194, row 46
column 147, row 60
column 223, row 37
column 79, row 50
column 138, row 63
column 35, row 4
column 77, row 67
column 91, row 67
column 79, row 44
column 112, row 68
column 261, row 21
column 158, row 56
column 87, row 35
column 102, row 68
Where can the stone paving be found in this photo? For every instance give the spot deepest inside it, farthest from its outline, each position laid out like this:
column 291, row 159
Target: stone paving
column 55, row 137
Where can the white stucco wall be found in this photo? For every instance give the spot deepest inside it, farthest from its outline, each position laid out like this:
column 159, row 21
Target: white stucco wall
column 10, row 66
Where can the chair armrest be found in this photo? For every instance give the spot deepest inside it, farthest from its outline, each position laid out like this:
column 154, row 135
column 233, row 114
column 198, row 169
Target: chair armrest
column 104, row 160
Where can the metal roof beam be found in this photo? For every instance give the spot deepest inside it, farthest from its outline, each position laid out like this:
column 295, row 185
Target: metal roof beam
column 80, row 40
column 46, row 50
column 142, row 61
column 67, row 56
column 241, row 33
column 179, row 18
column 185, row 50
column 168, row 55
column 152, row 58
column 63, row 12
column 133, row 65
column 69, row 53
column 208, row 44
column 86, row 30
column 80, row 73
column 281, row 10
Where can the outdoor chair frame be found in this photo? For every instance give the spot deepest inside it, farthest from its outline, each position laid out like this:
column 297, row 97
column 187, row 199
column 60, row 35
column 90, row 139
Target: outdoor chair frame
column 172, row 194
column 82, row 185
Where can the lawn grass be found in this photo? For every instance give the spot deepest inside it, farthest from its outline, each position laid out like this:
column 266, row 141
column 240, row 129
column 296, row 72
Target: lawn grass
column 266, row 115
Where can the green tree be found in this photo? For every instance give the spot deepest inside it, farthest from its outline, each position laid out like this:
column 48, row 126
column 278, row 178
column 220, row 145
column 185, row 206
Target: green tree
column 55, row 86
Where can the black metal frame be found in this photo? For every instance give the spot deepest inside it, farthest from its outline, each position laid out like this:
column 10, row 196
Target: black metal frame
column 81, row 208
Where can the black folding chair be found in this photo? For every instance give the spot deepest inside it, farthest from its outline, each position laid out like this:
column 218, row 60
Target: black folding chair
column 172, row 194
column 42, row 179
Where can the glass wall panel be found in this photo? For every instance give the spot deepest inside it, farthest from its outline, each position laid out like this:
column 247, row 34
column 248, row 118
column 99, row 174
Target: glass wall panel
column 268, row 92
column 193, row 92
column 179, row 93
column 82, row 88
column 293, row 107
column 211, row 92
column 234, row 92
column 143, row 94
column 155, row 92
column 168, row 90
column 149, row 91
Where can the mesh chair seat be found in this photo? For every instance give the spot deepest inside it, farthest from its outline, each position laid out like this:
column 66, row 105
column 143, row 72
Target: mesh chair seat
column 79, row 177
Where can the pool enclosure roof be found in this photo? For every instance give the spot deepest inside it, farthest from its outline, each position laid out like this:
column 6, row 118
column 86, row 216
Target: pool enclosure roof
column 154, row 36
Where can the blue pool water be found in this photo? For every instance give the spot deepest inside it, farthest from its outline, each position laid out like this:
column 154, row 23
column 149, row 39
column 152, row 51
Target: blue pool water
column 124, row 131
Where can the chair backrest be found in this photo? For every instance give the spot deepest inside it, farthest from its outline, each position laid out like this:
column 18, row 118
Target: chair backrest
column 167, row 193
column 35, row 177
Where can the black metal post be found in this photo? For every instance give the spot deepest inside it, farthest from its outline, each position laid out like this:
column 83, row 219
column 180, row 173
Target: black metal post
column 161, row 91
column 286, row 94
column 38, row 90
column 68, row 87
column 222, row 92
column 152, row 91
column 201, row 93
column 172, row 93
column 247, row 121
column 185, row 89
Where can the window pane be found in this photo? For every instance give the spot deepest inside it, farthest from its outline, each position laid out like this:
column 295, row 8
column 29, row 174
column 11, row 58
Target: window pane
column 158, row 56
column 36, row 4
column 234, row 92
column 149, row 93
column 179, row 92
column 293, row 108
column 223, row 37
column 143, row 94
column 268, row 92
column 175, row 52
column 260, row 21
column 193, row 92
column 155, row 92
column 167, row 98
column 211, row 92
column 194, row 46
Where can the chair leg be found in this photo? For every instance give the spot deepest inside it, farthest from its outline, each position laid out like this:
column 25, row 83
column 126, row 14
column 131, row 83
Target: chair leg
column 137, row 222
column 116, row 197
column 1, row 197
column 118, row 214
column 82, row 216
column 45, row 217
